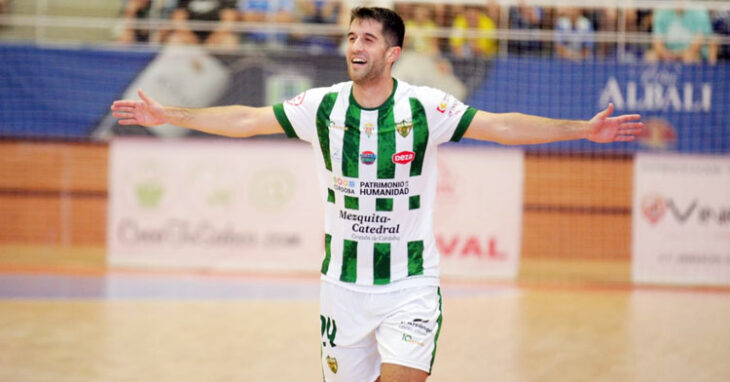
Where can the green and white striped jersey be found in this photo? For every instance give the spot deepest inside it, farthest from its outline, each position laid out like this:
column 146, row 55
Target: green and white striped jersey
column 378, row 176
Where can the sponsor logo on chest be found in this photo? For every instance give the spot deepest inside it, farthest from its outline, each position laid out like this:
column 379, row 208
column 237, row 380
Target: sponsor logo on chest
column 404, row 157
column 368, row 157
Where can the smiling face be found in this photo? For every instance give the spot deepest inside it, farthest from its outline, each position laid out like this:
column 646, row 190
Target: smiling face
column 369, row 55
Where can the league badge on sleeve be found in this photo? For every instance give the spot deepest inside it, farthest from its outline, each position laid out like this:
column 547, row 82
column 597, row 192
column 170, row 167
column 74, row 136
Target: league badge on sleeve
column 298, row 100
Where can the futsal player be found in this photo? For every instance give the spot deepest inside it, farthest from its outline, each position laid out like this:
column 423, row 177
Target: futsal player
column 376, row 140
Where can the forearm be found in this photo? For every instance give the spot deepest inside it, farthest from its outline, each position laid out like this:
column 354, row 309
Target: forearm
column 230, row 121
column 695, row 47
column 661, row 50
column 523, row 129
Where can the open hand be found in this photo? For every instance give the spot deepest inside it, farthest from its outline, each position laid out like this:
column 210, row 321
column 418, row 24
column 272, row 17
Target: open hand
column 146, row 112
column 605, row 128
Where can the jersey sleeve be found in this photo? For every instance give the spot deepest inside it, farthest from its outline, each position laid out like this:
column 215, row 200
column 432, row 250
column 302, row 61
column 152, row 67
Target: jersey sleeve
column 298, row 116
column 448, row 118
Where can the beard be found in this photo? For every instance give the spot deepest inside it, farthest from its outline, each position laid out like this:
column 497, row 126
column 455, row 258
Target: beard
column 369, row 72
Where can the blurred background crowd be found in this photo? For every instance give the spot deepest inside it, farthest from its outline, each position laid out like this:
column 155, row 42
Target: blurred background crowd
column 471, row 29
column 685, row 35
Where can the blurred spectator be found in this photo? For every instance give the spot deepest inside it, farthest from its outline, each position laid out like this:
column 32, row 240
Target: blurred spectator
column 440, row 14
column 494, row 12
column 472, row 19
column 606, row 20
column 420, row 27
column 135, row 10
column 573, row 34
column 223, row 11
column 345, row 6
column 261, row 11
column 636, row 21
column 525, row 17
column 681, row 35
column 721, row 26
column 4, row 8
column 321, row 12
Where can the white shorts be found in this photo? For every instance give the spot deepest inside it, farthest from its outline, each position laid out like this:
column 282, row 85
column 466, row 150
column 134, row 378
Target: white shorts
column 362, row 330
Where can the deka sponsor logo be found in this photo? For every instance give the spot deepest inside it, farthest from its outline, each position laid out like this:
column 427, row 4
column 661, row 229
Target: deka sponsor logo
column 404, row 157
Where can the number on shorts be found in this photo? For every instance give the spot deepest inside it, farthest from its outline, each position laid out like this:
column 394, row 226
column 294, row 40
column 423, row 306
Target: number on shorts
column 329, row 330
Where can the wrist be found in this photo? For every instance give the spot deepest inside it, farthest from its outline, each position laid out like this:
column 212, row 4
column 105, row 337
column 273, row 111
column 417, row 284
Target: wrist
column 173, row 115
column 583, row 130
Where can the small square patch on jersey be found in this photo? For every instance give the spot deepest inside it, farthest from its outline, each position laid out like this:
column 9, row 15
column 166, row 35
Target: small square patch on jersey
column 352, row 203
column 384, row 204
column 414, row 202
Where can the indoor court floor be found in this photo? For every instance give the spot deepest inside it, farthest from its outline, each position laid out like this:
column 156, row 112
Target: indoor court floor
column 134, row 326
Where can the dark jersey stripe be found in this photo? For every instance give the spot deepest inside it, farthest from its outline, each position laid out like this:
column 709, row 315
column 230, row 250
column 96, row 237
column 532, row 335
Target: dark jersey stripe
column 352, row 202
column 415, row 258
column 420, row 136
column 386, row 143
column 323, row 130
column 384, row 204
column 327, row 253
column 280, row 115
column 414, row 202
column 349, row 262
column 351, row 142
column 464, row 123
column 381, row 263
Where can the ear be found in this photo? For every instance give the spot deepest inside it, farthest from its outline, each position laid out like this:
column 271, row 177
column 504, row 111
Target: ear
column 393, row 54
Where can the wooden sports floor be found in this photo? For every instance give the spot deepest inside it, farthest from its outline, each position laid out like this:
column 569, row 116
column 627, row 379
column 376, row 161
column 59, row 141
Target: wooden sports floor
column 123, row 326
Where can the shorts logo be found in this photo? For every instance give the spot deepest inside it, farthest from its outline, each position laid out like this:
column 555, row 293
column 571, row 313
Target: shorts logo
column 332, row 363
column 442, row 107
column 404, row 157
column 298, row 100
column 409, row 339
column 368, row 157
column 404, row 128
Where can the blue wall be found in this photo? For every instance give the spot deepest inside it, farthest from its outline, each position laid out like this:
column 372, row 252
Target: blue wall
column 53, row 92
column 689, row 102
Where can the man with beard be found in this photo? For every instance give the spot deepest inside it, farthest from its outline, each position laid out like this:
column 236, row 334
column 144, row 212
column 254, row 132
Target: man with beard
column 380, row 300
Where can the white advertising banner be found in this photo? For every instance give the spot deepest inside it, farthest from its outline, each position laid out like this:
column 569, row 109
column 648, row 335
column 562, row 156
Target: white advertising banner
column 256, row 206
column 478, row 216
column 681, row 219
column 214, row 204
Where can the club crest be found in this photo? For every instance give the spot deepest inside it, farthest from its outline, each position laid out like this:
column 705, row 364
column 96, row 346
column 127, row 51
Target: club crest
column 404, row 128
column 368, row 129
column 332, row 363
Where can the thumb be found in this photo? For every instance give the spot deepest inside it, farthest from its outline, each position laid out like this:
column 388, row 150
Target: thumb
column 143, row 96
column 607, row 111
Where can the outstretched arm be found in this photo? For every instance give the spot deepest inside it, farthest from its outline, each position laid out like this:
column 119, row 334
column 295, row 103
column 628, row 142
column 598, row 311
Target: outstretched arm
column 523, row 129
column 231, row 121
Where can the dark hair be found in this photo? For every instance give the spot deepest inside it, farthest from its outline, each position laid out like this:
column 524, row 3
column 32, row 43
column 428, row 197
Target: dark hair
column 393, row 28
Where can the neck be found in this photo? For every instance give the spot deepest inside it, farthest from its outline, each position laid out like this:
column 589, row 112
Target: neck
column 373, row 93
